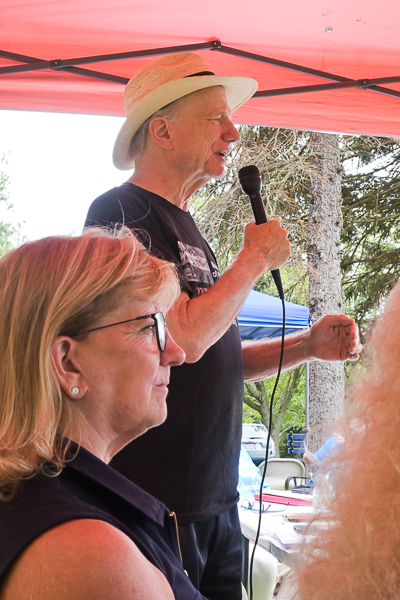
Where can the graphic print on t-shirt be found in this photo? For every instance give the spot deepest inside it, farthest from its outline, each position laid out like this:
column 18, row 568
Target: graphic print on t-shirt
column 216, row 272
column 194, row 263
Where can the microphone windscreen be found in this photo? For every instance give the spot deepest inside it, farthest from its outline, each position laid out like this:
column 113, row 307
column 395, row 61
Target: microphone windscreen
column 249, row 170
column 250, row 180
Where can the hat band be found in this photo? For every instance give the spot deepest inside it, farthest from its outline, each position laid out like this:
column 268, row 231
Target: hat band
column 199, row 74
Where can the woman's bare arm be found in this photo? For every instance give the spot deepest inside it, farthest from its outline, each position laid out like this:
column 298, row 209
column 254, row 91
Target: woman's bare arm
column 84, row 560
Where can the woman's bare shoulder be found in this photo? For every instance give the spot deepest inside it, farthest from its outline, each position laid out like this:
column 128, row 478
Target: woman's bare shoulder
column 85, row 560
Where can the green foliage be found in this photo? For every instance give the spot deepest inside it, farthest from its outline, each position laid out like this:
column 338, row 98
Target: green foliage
column 222, row 210
column 250, row 415
column 296, row 411
column 288, row 407
column 291, row 418
column 370, row 238
column 371, row 211
column 371, row 232
column 10, row 234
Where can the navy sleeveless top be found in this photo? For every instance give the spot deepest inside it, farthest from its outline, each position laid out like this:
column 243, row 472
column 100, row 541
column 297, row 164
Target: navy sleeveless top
column 87, row 488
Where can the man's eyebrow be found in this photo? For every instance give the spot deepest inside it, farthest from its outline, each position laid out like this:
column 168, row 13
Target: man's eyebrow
column 218, row 111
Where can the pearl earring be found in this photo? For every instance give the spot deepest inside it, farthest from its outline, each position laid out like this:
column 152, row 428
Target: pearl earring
column 75, row 391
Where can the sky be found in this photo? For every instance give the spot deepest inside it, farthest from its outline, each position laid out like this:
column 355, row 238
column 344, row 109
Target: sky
column 58, row 164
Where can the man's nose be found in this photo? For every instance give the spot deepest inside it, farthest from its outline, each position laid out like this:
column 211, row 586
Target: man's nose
column 230, row 133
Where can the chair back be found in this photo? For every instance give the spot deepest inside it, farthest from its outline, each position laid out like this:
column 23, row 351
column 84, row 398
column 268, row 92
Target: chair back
column 279, row 469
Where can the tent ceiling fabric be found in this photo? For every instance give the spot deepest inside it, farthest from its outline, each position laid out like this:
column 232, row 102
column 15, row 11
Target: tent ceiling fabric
column 355, row 40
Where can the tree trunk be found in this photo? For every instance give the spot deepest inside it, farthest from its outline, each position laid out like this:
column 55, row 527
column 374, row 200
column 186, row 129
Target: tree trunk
column 327, row 379
column 284, row 401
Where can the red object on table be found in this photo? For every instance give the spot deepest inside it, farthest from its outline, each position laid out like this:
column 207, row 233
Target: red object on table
column 283, row 500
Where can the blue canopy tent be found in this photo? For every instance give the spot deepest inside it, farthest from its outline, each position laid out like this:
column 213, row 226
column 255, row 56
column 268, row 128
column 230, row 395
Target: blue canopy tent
column 261, row 316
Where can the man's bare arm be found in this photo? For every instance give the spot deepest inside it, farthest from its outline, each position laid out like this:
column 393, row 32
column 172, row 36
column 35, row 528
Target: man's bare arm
column 197, row 323
column 332, row 338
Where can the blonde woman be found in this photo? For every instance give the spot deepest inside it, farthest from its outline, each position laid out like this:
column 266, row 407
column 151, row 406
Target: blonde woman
column 84, row 362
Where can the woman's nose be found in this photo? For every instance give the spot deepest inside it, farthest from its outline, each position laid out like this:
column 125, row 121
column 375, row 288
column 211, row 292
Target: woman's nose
column 173, row 354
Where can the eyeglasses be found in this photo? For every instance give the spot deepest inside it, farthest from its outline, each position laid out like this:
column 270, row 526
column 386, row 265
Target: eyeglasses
column 256, row 507
column 158, row 318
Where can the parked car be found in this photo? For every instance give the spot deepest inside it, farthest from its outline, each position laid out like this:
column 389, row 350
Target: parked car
column 254, row 440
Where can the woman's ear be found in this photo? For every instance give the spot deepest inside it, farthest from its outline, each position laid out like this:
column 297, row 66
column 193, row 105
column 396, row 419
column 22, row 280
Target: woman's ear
column 66, row 367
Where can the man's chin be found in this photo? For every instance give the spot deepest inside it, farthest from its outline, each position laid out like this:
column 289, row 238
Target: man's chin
column 220, row 174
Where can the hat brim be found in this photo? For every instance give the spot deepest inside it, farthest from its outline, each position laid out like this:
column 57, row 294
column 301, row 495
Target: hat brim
column 238, row 90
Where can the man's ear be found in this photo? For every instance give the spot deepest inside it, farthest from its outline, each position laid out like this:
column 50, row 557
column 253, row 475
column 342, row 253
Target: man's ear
column 159, row 130
column 66, row 367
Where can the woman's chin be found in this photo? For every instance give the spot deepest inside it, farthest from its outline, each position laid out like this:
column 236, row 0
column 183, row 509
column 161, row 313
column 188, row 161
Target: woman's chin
column 159, row 413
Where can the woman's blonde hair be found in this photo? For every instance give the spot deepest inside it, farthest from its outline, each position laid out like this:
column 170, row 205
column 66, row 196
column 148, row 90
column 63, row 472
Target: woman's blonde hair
column 355, row 554
column 53, row 286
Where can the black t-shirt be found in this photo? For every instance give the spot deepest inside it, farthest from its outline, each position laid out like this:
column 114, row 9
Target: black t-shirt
column 87, row 488
column 190, row 462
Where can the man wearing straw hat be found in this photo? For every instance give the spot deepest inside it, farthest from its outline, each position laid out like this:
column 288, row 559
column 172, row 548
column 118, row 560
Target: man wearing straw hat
column 176, row 137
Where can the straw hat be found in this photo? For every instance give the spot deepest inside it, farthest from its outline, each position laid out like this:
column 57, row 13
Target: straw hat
column 165, row 80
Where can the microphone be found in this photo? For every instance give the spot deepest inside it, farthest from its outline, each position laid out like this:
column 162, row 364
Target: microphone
column 250, row 180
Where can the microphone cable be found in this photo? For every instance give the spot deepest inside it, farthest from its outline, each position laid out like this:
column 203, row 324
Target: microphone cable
column 267, row 448
column 251, row 183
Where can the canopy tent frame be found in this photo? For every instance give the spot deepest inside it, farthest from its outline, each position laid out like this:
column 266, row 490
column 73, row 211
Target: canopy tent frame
column 69, row 66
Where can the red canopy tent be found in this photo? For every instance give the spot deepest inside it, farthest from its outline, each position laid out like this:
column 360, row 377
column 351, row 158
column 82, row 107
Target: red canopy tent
column 75, row 56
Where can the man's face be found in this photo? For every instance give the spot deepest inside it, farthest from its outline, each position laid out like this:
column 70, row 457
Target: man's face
column 202, row 135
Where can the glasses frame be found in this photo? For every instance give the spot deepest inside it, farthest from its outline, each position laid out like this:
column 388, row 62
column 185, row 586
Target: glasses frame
column 159, row 321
